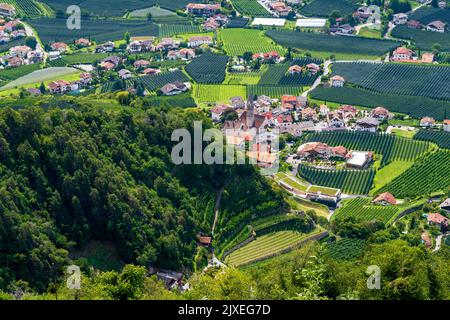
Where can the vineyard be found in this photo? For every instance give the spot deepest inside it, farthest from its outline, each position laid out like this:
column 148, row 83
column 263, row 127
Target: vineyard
column 237, row 23
column 157, row 81
column 266, row 246
column 278, row 75
column 250, row 8
column 423, row 39
column 274, row 91
column 427, row 14
column 209, row 93
column 394, row 78
column 441, row 138
column 79, row 58
column 332, row 44
column 100, row 30
column 16, row 73
column 426, row 176
column 208, row 68
column 389, row 146
column 321, row 8
column 29, row 8
column 346, row 249
column 6, row 46
column 416, row 107
column 168, row 30
column 238, row 41
column 350, row 181
column 362, row 209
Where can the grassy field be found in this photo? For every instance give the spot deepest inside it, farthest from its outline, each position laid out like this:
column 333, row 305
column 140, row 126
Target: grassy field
column 369, row 33
column 266, row 246
column 212, row 93
column 305, row 205
column 291, row 181
column 238, row 41
column 404, row 133
column 389, row 173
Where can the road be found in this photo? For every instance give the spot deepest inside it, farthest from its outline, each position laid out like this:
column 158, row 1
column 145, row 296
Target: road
column 439, row 241
column 326, row 71
column 30, row 33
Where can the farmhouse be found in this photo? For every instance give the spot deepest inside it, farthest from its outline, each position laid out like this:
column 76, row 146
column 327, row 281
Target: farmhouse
column 59, row 46
column 197, row 41
column 295, row 69
column 359, row 159
column 427, row 122
column 174, row 88
column 436, row 26
column 385, row 199
column 19, row 51
column 141, row 64
column 380, row 113
column 414, row 24
column 280, row 8
column 337, row 81
column 402, row 54
column 445, row 205
column 446, row 125
column 400, row 18
column 82, row 42
column 7, row 10
column 149, row 71
column 367, row 124
column 106, row 47
column 125, row 74
column 272, row 56
column 313, row 68
column 335, row 120
column 59, row 86
column 200, row 9
column 321, row 150
column 363, row 13
column 437, row 219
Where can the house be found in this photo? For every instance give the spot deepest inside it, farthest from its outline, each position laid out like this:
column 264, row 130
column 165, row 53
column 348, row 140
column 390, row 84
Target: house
column 16, row 34
column 385, row 199
column 414, row 24
column 19, row 51
column 358, row 159
column 295, row 69
column 200, row 9
column 7, row 10
column 446, row 125
column 141, row 64
column 125, row 74
column 82, row 42
column 107, row 65
column 342, row 29
column 167, row 43
column 367, row 124
column 54, row 55
column 150, row 71
column 59, row 86
column 59, row 46
column 337, row 81
column 174, row 88
column 205, row 241
column 313, row 150
column 363, row 13
column 288, row 102
column 313, row 68
column 400, row 18
column 428, row 57
column 437, row 219
column 272, row 56
column 445, row 205
column 106, row 47
column 134, row 47
column 237, row 102
column 219, row 110
column 34, row 91
column 197, row 41
column 380, row 113
column 427, row 122
column 35, row 57
column 15, row 62
column 426, row 240
column 323, row 109
column 335, row 119
column 186, row 53
column 401, row 54
column 211, row 25
column 442, row 4
column 280, row 8
column 436, row 26
column 85, row 78
column 348, row 112
column 309, row 114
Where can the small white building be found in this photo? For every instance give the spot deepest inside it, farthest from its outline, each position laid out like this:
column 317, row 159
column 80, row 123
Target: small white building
column 197, row 41
column 337, row 81
column 400, row 18
column 446, row 125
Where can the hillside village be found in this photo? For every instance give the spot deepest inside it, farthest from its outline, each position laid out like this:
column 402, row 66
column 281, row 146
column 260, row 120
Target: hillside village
column 346, row 105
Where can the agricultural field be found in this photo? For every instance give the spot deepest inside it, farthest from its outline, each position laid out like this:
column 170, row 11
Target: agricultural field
column 416, row 107
column 6, row 46
column 441, row 138
column 155, row 11
column 424, row 40
column 278, row 75
column 250, row 8
column 237, row 23
column 212, row 93
column 427, row 14
column 266, row 246
column 389, row 146
column 29, row 8
column 274, row 91
column 291, row 182
column 16, row 73
column 388, row 173
column 116, row 8
column 395, row 78
column 157, row 81
column 168, row 30
column 238, row 41
column 350, row 181
column 99, row 30
column 244, row 78
column 323, row 8
column 346, row 249
column 426, row 176
column 208, row 68
column 363, row 209
column 78, row 58
column 332, row 44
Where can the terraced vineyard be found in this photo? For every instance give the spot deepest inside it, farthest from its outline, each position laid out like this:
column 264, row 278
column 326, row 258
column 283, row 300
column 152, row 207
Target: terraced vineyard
column 350, row 181
column 250, row 8
column 394, row 78
column 323, row 8
column 389, row 146
column 426, row 176
column 208, row 93
column 332, row 44
column 346, row 249
column 362, row 209
column 29, row 8
column 157, row 81
column 266, row 246
column 416, row 107
column 208, row 68
column 441, row 138
column 238, row 41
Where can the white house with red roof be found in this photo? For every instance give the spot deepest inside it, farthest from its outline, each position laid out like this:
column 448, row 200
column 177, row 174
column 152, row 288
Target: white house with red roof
column 427, row 122
column 197, row 41
column 337, row 81
column 446, row 125
column 402, row 54
column 59, row 46
column 436, row 26
column 7, row 10
column 385, row 199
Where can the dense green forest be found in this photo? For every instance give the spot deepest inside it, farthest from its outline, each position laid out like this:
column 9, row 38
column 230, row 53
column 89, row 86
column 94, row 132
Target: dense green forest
column 73, row 175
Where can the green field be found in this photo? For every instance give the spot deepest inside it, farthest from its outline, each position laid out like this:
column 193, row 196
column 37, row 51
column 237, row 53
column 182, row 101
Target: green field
column 389, row 173
column 266, row 246
column 323, row 8
column 346, row 249
column 423, row 39
column 77, row 58
column 238, row 41
column 209, row 93
column 29, row 8
column 441, row 138
column 250, row 8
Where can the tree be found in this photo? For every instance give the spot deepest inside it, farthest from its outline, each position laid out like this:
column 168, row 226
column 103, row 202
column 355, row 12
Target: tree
column 247, row 56
column 31, row 42
column 149, row 16
column 436, row 47
column 127, row 37
column 42, row 88
column 127, row 285
column 435, row 3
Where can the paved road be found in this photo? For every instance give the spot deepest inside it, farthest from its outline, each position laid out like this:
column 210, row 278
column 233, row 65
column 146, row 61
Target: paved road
column 439, row 241
column 30, row 33
column 326, row 71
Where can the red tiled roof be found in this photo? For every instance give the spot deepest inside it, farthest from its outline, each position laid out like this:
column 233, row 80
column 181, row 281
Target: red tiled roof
column 389, row 198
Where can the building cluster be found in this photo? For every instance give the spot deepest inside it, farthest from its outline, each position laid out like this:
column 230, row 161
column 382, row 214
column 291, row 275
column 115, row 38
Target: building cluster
column 403, row 54
column 19, row 56
column 278, row 8
column 10, row 30
column 202, row 9
column 215, row 22
column 63, row 86
column 433, row 26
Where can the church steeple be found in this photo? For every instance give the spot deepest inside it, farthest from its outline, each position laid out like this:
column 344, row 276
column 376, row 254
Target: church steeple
column 250, row 112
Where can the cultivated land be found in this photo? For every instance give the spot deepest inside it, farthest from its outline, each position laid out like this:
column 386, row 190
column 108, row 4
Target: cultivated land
column 36, row 77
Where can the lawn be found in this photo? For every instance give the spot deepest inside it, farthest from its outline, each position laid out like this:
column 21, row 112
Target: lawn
column 305, row 205
column 389, row 173
column 369, row 33
column 404, row 133
column 212, row 93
